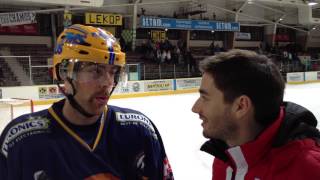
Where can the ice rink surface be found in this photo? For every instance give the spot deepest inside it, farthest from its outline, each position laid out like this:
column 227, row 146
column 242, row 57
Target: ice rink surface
column 181, row 129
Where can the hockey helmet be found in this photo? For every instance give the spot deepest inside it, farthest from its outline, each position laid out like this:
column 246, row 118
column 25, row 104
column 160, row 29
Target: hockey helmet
column 80, row 43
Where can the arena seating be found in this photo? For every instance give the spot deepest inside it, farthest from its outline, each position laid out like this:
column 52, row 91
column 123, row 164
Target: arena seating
column 8, row 79
column 151, row 70
column 39, row 57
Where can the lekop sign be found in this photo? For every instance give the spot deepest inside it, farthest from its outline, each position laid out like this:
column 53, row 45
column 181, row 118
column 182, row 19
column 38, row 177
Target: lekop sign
column 103, row 19
column 186, row 24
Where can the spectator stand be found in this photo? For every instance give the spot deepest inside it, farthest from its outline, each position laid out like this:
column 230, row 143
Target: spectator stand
column 7, row 77
column 38, row 66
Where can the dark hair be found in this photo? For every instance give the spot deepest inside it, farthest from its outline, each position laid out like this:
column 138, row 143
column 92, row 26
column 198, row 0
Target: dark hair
column 242, row 72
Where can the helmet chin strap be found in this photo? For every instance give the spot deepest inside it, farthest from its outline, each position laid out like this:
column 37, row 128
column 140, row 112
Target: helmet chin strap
column 78, row 107
column 74, row 103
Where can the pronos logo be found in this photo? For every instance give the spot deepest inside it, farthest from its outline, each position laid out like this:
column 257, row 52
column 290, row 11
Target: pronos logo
column 33, row 124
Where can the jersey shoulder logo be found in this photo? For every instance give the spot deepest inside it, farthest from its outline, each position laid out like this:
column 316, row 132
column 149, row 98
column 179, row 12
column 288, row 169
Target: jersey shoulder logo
column 135, row 119
column 21, row 130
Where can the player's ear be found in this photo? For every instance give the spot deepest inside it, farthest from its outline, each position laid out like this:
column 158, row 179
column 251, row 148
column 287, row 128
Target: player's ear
column 242, row 106
column 68, row 89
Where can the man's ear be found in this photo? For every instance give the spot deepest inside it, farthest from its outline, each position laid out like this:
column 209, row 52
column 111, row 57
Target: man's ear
column 67, row 87
column 242, row 105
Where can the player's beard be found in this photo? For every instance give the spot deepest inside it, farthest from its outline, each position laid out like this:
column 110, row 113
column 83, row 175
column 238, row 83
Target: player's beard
column 102, row 97
column 224, row 130
column 96, row 101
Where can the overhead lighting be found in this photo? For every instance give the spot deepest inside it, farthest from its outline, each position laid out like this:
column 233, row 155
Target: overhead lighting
column 280, row 19
column 314, row 28
column 250, row 1
column 312, row 2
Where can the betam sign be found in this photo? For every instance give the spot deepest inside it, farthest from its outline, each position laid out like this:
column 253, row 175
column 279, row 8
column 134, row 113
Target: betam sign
column 242, row 36
column 18, row 18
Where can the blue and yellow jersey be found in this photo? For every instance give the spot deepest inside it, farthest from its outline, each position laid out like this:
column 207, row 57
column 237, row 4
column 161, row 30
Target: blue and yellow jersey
column 122, row 144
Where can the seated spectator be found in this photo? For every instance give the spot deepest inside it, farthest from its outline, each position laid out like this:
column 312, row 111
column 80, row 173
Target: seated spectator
column 146, row 49
column 211, row 48
column 190, row 61
column 122, row 44
column 217, row 49
column 177, row 57
column 166, row 51
column 1, row 74
column 182, row 46
column 157, row 52
column 163, row 56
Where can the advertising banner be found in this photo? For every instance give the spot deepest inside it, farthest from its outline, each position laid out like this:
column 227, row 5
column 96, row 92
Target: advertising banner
column 311, row 76
column 187, row 24
column 49, row 92
column 129, row 87
column 188, row 83
column 158, row 35
column 158, row 85
column 295, row 77
column 67, row 19
column 17, row 18
column 104, row 19
column 242, row 36
column 26, row 29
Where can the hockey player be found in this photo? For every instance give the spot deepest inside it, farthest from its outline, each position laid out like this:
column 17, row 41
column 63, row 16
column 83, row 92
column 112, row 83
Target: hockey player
column 253, row 133
column 80, row 137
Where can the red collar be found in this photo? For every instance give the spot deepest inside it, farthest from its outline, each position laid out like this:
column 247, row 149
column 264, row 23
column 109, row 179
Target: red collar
column 251, row 152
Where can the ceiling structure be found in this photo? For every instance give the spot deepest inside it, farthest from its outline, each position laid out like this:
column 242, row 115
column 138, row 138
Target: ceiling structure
column 281, row 12
column 250, row 12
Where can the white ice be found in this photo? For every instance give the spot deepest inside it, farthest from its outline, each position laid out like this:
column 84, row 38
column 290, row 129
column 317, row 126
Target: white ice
column 181, row 129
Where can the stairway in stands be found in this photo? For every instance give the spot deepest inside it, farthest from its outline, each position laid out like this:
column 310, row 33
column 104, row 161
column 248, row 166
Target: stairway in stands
column 15, row 67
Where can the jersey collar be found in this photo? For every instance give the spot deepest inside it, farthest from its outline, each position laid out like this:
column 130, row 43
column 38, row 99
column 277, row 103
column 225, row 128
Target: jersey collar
column 75, row 135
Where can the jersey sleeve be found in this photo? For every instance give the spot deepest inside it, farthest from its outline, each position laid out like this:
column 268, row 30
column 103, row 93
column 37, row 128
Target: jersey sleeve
column 12, row 143
column 8, row 159
column 144, row 153
column 7, row 163
column 157, row 165
column 3, row 167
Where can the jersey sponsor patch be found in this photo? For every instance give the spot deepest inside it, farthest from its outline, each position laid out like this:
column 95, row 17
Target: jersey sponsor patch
column 32, row 126
column 135, row 119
